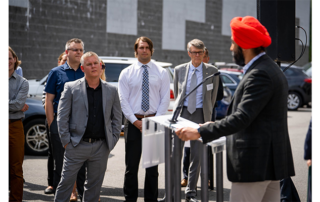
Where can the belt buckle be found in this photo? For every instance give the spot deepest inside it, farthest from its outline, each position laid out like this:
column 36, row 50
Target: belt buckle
column 144, row 116
column 89, row 140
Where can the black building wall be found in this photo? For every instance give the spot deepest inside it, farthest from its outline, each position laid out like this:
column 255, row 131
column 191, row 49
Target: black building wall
column 38, row 34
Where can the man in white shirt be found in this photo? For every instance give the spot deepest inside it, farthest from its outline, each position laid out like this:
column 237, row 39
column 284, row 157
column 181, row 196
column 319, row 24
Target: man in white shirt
column 144, row 91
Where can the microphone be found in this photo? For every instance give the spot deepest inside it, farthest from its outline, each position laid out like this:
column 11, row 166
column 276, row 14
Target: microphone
column 176, row 113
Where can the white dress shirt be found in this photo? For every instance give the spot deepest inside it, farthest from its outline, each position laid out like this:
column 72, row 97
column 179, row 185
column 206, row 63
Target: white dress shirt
column 130, row 90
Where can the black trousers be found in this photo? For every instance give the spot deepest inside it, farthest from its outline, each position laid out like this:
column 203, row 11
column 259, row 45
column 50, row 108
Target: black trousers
column 132, row 159
column 186, row 163
column 50, row 157
column 58, row 156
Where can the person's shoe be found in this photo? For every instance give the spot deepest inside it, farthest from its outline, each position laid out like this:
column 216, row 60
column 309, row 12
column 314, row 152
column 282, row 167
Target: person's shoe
column 191, row 199
column 49, row 190
column 163, row 199
column 184, row 183
column 74, row 196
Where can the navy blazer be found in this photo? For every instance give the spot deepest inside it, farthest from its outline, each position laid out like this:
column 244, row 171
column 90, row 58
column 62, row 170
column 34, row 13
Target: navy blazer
column 257, row 144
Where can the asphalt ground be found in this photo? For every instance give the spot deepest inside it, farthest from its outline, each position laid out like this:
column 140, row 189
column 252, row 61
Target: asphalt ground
column 35, row 169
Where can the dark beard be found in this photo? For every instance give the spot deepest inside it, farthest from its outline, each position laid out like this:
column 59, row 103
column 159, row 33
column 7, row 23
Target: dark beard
column 238, row 57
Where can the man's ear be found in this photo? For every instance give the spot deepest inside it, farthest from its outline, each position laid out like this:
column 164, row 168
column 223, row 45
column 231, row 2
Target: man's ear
column 66, row 51
column 82, row 68
column 189, row 54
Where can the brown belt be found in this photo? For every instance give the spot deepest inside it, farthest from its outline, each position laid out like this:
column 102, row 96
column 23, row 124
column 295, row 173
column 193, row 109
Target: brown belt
column 14, row 120
column 139, row 116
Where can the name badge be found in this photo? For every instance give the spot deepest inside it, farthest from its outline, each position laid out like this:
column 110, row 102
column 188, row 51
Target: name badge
column 209, row 86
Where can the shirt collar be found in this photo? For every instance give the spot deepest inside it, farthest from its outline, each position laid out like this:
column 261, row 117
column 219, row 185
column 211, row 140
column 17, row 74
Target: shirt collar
column 140, row 64
column 14, row 75
column 199, row 68
column 246, row 67
column 66, row 66
column 99, row 86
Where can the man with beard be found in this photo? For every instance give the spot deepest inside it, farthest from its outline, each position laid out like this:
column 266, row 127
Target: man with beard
column 258, row 145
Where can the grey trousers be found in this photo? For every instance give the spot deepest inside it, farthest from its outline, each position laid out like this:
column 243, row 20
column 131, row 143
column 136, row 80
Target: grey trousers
column 195, row 152
column 96, row 154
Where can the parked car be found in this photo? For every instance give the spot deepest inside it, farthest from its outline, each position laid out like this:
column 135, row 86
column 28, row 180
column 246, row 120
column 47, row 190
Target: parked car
column 36, row 140
column 230, row 79
column 223, row 104
column 232, row 67
column 307, row 68
column 114, row 65
column 299, row 87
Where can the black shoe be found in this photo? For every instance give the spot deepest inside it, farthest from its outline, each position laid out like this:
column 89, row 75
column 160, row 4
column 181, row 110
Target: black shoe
column 48, row 190
column 191, row 199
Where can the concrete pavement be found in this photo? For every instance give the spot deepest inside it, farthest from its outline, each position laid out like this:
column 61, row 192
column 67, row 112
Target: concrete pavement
column 35, row 171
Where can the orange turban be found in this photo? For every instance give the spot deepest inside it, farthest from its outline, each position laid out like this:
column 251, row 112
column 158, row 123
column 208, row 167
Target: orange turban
column 248, row 32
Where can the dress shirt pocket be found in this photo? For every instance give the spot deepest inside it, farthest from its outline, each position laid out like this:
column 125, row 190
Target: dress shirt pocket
column 72, row 126
column 248, row 143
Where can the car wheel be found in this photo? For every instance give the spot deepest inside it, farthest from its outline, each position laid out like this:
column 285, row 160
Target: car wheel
column 294, row 101
column 36, row 140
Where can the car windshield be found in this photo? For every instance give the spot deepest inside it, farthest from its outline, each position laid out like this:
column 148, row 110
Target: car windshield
column 113, row 71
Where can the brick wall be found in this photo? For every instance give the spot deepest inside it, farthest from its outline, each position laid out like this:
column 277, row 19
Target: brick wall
column 38, row 34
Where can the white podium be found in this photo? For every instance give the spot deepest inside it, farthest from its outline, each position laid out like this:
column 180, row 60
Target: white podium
column 157, row 148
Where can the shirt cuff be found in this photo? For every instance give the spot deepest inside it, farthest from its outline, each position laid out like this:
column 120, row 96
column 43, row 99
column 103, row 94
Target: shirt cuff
column 132, row 118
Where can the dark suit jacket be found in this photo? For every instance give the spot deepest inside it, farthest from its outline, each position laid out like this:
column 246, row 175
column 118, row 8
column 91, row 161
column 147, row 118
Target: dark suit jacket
column 258, row 144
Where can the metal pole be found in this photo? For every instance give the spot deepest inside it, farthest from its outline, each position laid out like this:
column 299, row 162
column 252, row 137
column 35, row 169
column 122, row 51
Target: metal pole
column 210, row 162
column 219, row 176
column 177, row 167
column 204, row 173
column 168, row 165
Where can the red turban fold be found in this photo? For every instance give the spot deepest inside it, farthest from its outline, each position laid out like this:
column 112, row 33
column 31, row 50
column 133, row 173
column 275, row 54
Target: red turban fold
column 248, row 32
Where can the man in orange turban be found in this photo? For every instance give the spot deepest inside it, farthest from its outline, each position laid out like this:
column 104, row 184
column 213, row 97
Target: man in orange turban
column 257, row 141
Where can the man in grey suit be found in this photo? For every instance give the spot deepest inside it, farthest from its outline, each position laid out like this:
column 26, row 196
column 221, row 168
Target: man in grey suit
column 89, row 124
column 198, row 106
column 258, row 145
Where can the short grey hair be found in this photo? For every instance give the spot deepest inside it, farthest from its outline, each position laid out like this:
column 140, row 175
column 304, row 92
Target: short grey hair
column 88, row 54
column 196, row 43
column 75, row 40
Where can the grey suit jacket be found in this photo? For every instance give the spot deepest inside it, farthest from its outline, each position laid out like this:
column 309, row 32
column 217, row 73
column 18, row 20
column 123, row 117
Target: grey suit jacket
column 208, row 96
column 73, row 112
column 258, row 144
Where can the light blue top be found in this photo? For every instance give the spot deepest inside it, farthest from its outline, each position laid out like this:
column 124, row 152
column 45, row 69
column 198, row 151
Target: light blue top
column 19, row 71
column 246, row 67
column 199, row 102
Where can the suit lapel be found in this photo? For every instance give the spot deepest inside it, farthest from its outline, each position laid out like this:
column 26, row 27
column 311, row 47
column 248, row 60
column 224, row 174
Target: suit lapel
column 104, row 95
column 83, row 90
column 184, row 85
column 204, row 75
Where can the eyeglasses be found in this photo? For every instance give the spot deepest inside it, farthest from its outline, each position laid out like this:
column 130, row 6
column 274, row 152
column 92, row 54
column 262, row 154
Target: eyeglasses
column 76, row 50
column 195, row 53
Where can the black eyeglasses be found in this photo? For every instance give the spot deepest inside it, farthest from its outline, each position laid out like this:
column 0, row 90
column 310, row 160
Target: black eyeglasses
column 76, row 50
column 195, row 53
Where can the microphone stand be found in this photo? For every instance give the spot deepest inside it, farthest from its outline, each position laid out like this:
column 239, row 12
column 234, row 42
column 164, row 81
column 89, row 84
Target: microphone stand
column 178, row 109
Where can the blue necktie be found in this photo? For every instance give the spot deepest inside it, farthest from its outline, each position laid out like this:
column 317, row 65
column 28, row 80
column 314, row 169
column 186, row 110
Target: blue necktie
column 145, row 89
column 193, row 96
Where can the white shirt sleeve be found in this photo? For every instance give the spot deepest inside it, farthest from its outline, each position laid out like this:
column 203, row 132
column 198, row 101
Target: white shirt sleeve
column 164, row 94
column 124, row 92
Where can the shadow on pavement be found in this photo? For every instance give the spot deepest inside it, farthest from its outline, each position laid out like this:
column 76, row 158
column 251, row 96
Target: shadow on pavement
column 107, row 194
column 32, row 192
